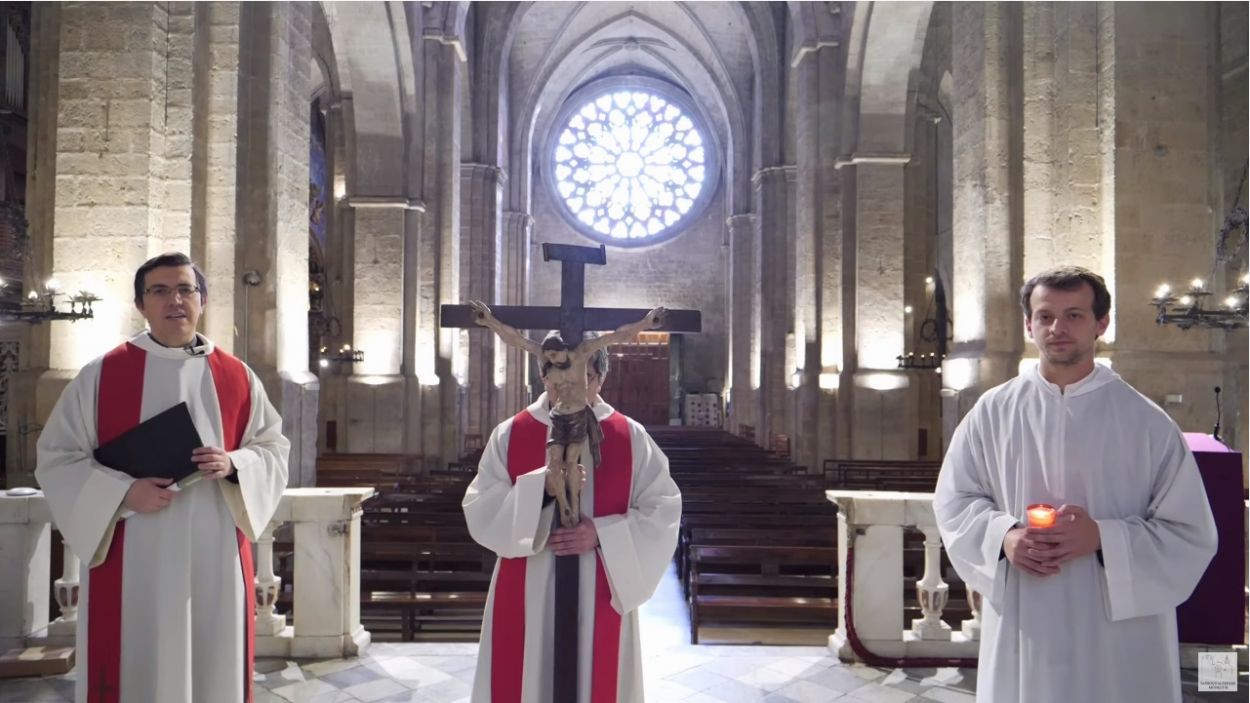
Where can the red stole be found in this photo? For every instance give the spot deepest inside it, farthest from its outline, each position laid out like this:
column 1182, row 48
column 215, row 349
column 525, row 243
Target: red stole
column 118, row 407
column 527, row 451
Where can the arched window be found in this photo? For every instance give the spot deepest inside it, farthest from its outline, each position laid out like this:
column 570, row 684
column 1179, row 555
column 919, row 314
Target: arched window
column 630, row 161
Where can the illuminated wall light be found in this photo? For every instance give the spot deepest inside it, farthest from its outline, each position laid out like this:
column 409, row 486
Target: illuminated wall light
column 796, row 379
column 907, row 309
column 960, row 374
column 830, row 381
column 882, row 381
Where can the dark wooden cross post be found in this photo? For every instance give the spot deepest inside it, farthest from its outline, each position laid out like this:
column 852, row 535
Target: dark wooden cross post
column 573, row 319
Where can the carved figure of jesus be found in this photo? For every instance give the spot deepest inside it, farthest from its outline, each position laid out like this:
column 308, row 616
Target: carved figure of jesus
column 566, row 371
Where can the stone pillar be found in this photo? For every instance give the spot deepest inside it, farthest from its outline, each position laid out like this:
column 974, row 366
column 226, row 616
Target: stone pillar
column 25, row 549
column 1062, row 166
column 818, row 252
column 743, row 319
column 25, row 413
column 774, row 290
column 440, row 370
column 884, row 410
column 214, row 159
column 384, row 293
column 276, row 64
column 112, row 195
column 987, row 227
column 1160, row 74
column 110, row 187
column 481, row 268
column 517, row 228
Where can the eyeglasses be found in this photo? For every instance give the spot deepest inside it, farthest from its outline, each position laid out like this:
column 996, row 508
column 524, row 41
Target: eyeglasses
column 164, row 292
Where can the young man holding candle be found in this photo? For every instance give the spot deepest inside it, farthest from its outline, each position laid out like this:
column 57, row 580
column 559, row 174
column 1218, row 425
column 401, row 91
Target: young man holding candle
column 1084, row 608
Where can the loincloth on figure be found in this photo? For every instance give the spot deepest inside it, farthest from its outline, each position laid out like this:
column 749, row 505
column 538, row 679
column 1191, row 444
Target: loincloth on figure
column 570, row 430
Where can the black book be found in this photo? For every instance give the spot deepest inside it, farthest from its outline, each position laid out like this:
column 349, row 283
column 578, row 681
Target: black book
column 159, row 447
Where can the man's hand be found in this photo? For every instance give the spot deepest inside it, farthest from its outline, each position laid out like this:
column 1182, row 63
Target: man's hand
column 213, row 461
column 569, row 541
column 1074, row 535
column 148, row 495
column 1022, row 549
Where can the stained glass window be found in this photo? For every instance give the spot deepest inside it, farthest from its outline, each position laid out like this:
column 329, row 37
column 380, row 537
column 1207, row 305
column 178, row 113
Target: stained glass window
column 630, row 165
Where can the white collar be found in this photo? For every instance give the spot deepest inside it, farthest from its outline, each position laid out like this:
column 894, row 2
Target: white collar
column 201, row 347
column 542, row 413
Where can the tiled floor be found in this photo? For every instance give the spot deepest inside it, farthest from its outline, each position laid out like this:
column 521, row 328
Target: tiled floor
column 675, row 671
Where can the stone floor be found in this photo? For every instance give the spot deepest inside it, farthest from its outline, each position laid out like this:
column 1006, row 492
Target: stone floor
column 675, row 671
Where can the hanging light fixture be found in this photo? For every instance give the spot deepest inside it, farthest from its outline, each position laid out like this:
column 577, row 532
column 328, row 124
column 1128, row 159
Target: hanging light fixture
column 1200, row 306
column 42, row 307
column 935, row 329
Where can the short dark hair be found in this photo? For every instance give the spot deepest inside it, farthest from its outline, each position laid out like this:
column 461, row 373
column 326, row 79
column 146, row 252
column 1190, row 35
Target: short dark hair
column 173, row 258
column 554, row 342
column 1068, row 278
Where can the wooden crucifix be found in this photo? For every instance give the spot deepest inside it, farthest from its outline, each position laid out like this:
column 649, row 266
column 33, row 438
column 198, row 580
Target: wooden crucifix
column 573, row 320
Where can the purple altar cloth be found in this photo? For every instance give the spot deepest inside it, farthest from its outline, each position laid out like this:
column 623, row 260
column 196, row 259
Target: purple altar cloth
column 1215, row 613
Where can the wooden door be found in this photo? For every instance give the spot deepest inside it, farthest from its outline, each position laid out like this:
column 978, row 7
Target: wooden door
column 637, row 383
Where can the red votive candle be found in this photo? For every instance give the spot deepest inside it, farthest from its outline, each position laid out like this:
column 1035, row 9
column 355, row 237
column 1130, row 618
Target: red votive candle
column 1041, row 515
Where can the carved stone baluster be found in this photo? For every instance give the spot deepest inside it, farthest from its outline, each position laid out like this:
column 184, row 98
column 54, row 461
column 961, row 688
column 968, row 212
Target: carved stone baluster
column 972, row 626
column 66, row 590
column 932, row 590
column 268, row 586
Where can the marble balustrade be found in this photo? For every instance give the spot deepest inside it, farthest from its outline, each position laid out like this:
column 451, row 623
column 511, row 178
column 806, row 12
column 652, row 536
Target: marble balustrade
column 873, row 522
column 326, row 623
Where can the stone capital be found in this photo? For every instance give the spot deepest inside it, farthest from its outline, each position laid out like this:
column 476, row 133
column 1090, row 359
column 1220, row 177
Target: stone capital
column 789, row 172
column 484, row 171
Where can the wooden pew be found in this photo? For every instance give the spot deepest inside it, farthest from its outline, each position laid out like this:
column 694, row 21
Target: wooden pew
column 761, row 585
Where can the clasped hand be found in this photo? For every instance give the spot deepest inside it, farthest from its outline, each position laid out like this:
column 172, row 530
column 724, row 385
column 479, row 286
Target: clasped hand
column 149, row 495
column 579, row 539
column 1041, row 551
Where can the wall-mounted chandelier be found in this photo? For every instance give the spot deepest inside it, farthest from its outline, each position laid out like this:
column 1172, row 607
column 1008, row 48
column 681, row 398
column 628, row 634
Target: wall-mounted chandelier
column 1200, row 306
column 40, row 307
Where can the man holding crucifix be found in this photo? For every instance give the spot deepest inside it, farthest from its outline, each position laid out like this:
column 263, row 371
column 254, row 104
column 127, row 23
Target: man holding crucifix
column 547, row 638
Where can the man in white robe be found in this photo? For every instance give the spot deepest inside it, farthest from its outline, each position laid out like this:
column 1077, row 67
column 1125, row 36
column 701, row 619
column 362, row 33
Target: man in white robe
column 1084, row 611
column 166, row 610
column 631, row 511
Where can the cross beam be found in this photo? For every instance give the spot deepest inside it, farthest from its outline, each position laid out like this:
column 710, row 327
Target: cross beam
column 572, row 317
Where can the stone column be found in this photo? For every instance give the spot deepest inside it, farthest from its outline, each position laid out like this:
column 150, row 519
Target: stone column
column 883, row 409
column 25, row 544
column 276, row 64
column 818, row 252
column 987, row 213
column 214, row 160
column 481, row 269
column 1160, row 74
column 440, row 370
column 774, row 290
column 1062, row 166
column 743, row 319
column 383, row 295
column 517, row 228
column 111, row 130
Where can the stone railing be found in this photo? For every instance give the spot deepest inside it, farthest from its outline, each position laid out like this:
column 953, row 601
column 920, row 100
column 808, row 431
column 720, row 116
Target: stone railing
column 326, row 526
column 870, row 548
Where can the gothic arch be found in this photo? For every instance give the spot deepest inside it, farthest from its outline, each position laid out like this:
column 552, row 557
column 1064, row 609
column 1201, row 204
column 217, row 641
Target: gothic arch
column 886, row 44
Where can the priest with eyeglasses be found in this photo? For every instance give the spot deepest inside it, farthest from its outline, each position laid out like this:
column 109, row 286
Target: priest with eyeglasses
column 166, row 606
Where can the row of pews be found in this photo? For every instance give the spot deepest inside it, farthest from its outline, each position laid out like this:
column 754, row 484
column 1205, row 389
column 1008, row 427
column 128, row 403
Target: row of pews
column 758, row 542
column 757, row 545
column 422, row 576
